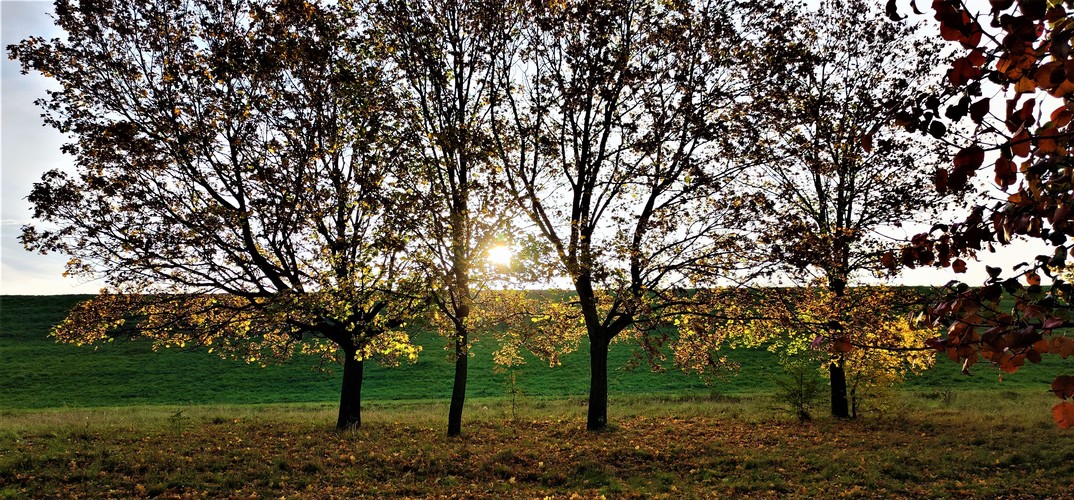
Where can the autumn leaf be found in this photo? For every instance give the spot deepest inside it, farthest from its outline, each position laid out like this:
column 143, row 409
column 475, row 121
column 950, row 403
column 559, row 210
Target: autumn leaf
column 1063, row 414
column 963, row 71
column 1021, row 144
column 1047, row 141
column 1052, row 323
column 1032, row 278
column 1063, row 386
column 979, row 109
column 958, row 266
column 970, row 157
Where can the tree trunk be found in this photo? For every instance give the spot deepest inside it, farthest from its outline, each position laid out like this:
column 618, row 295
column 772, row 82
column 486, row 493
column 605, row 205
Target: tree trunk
column 597, row 419
column 350, row 397
column 840, row 406
column 458, row 390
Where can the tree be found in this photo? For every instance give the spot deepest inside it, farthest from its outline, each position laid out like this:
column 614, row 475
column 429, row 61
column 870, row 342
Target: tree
column 614, row 134
column 1023, row 57
column 443, row 55
column 234, row 180
column 838, row 175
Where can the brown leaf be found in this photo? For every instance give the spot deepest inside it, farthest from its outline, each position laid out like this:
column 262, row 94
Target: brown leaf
column 1047, row 142
column 1061, row 117
column 1032, row 278
column 1025, row 84
column 963, row 71
column 979, row 109
column 1006, row 172
column 1020, row 143
column 1063, row 386
column 888, row 260
column 1063, row 414
column 958, row 266
column 970, row 157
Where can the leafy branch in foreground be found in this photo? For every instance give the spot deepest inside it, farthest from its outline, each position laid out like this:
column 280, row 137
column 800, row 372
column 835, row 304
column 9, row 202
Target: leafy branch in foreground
column 1020, row 52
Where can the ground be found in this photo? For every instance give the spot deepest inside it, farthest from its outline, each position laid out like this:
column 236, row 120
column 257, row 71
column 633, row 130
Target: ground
column 656, row 447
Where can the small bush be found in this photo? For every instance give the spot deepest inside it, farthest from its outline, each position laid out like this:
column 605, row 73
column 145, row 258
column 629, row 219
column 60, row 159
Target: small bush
column 800, row 386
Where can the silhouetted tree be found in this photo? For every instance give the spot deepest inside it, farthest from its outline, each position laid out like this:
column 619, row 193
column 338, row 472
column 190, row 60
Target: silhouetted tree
column 234, row 184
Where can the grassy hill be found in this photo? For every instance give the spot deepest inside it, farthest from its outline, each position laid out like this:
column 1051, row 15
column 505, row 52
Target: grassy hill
column 36, row 372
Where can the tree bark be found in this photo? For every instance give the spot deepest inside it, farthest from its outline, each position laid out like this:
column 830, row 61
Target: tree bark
column 350, row 397
column 840, row 406
column 597, row 419
column 458, row 390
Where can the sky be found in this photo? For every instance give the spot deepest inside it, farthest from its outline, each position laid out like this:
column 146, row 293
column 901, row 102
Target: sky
column 28, row 149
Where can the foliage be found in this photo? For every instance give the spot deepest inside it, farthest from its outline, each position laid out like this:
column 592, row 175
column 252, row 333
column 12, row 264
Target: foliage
column 234, row 179
column 870, row 327
column 873, row 372
column 1017, row 50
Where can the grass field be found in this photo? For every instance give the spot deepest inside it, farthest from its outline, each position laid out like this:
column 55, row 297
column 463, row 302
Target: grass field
column 124, row 421
column 976, row 446
column 36, row 372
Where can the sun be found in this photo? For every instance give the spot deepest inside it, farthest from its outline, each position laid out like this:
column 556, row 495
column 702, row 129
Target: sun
column 500, row 255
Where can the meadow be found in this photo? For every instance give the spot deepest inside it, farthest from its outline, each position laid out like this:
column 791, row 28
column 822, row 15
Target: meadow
column 126, row 421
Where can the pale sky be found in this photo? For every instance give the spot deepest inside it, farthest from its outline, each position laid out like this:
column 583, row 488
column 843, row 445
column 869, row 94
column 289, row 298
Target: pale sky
column 29, row 148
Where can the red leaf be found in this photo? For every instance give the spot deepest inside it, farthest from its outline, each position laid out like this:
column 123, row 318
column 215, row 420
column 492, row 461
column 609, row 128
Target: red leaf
column 1063, row 414
column 970, row 157
column 1006, row 172
column 1020, row 143
column 1052, row 323
column 842, row 346
column 1063, row 386
column 962, row 71
column 958, row 266
column 1032, row 278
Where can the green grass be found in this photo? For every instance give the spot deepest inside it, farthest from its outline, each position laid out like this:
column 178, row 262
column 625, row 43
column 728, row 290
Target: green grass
column 37, row 372
column 41, row 373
